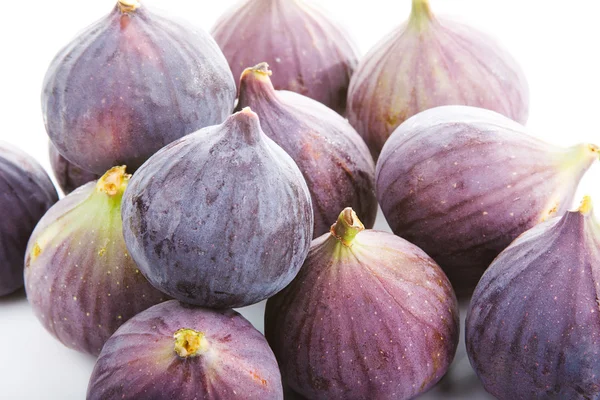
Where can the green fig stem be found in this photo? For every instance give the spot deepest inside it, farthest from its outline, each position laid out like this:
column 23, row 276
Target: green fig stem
column 260, row 71
column 347, row 227
column 190, row 343
column 586, row 207
column 420, row 14
column 113, row 182
column 128, row 6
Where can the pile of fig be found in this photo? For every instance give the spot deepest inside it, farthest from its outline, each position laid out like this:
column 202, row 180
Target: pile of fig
column 186, row 196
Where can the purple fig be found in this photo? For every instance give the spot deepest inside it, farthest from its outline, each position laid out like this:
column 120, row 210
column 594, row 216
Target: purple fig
column 26, row 193
column 429, row 62
column 68, row 175
column 174, row 351
column 312, row 55
column 462, row 183
column 80, row 281
column 220, row 218
column 333, row 158
column 369, row 316
column 130, row 84
column 532, row 327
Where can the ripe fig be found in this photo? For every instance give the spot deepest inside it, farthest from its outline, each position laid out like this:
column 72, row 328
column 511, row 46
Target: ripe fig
column 178, row 352
column 80, row 281
column 334, row 160
column 429, row 62
column 313, row 56
column 220, row 218
column 130, row 84
column 369, row 316
column 26, row 192
column 462, row 183
column 68, row 175
column 532, row 327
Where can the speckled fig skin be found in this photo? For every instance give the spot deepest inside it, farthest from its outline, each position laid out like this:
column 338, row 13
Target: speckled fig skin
column 79, row 278
column 428, row 62
column 221, row 218
column 310, row 54
column 175, row 351
column 369, row 316
column 532, row 328
column 26, row 192
column 462, row 183
column 130, row 84
column 68, row 175
column 334, row 160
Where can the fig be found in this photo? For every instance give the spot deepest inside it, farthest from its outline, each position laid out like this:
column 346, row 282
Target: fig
column 79, row 278
column 220, row 218
column 174, row 351
column 462, row 183
column 334, row 160
column 532, row 326
column 429, row 62
column 369, row 316
column 26, row 192
column 68, row 175
column 313, row 56
column 130, row 84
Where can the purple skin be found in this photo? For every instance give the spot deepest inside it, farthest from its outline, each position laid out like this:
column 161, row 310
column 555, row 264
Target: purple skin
column 79, row 278
column 26, row 192
column 429, row 62
column 369, row 316
column 462, row 183
column 532, row 328
column 219, row 356
column 334, row 160
column 130, row 84
column 221, row 218
column 312, row 55
column 68, row 175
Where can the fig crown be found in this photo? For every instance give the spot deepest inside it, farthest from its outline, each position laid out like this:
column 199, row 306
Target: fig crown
column 586, row 208
column 246, row 124
column 190, row 343
column 420, row 14
column 257, row 79
column 127, row 6
column 347, row 227
column 113, row 182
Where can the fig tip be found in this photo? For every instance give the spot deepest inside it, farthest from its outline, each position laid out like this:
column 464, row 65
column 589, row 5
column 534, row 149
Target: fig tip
column 259, row 71
column 189, row 343
column 586, row 206
column 420, row 13
column 347, row 226
column 127, row 6
column 113, row 181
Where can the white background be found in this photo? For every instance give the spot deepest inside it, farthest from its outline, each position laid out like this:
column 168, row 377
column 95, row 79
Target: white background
column 556, row 43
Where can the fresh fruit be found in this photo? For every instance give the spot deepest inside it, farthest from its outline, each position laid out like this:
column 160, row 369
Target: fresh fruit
column 369, row 316
column 462, row 183
column 429, row 62
column 178, row 352
column 311, row 54
column 532, row 328
column 26, row 192
column 220, row 218
column 79, row 278
column 333, row 158
column 68, row 175
column 130, row 84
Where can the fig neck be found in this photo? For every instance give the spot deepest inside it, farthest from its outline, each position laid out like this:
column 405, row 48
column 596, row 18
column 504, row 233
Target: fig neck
column 256, row 86
column 578, row 159
column 114, row 182
column 347, row 227
column 190, row 343
column 244, row 125
column 128, row 6
column 580, row 221
column 420, row 14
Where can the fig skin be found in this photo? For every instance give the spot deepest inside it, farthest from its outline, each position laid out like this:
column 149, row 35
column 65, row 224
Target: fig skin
column 130, row 84
column 462, row 183
column 80, row 281
column 532, row 326
column 428, row 62
column 26, row 192
column 333, row 158
column 149, row 358
column 369, row 316
column 220, row 218
column 311, row 54
column 68, row 175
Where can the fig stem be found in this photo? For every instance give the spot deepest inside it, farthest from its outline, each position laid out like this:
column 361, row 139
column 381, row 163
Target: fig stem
column 190, row 343
column 586, row 206
column 347, row 227
column 420, row 13
column 113, row 182
column 127, row 6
